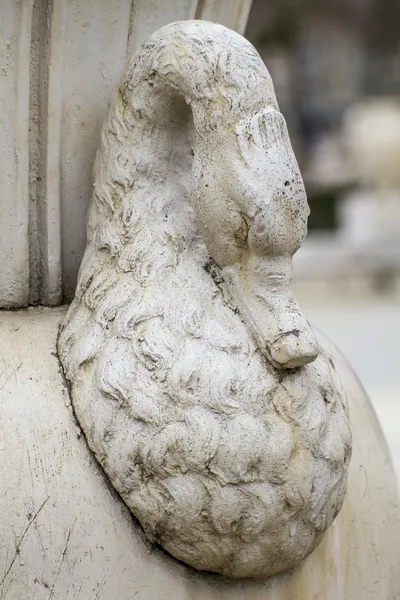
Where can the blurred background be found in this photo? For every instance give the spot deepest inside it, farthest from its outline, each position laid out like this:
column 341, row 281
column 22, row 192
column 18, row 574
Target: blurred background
column 336, row 70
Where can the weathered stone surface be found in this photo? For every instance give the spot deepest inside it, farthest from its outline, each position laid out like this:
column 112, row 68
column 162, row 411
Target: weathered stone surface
column 197, row 380
column 59, row 62
column 66, row 536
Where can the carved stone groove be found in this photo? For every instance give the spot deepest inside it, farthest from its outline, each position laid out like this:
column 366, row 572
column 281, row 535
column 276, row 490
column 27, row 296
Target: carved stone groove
column 60, row 59
column 193, row 373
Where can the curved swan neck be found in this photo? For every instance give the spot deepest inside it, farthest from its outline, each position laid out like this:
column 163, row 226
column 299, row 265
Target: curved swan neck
column 244, row 183
column 150, row 131
column 216, row 71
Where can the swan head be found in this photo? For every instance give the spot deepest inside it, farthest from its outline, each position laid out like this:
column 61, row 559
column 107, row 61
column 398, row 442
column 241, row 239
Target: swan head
column 252, row 210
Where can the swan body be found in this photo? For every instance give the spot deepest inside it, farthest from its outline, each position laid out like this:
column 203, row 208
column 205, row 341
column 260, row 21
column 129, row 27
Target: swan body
column 196, row 379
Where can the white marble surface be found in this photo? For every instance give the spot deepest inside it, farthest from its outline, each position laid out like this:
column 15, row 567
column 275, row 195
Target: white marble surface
column 66, row 536
column 58, row 66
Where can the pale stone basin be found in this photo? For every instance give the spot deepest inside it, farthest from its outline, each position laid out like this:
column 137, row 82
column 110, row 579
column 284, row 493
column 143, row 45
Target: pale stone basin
column 66, row 535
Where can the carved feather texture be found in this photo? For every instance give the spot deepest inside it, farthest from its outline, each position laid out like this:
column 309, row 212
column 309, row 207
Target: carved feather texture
column 231, row 464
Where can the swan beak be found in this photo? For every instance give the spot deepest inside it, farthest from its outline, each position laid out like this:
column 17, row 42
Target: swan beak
column 293, row 349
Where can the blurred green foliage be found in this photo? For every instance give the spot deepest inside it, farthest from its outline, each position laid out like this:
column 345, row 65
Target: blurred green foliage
column 323, row 204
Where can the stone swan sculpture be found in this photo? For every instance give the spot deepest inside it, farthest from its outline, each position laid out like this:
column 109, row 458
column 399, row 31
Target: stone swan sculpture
column 196, row 379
